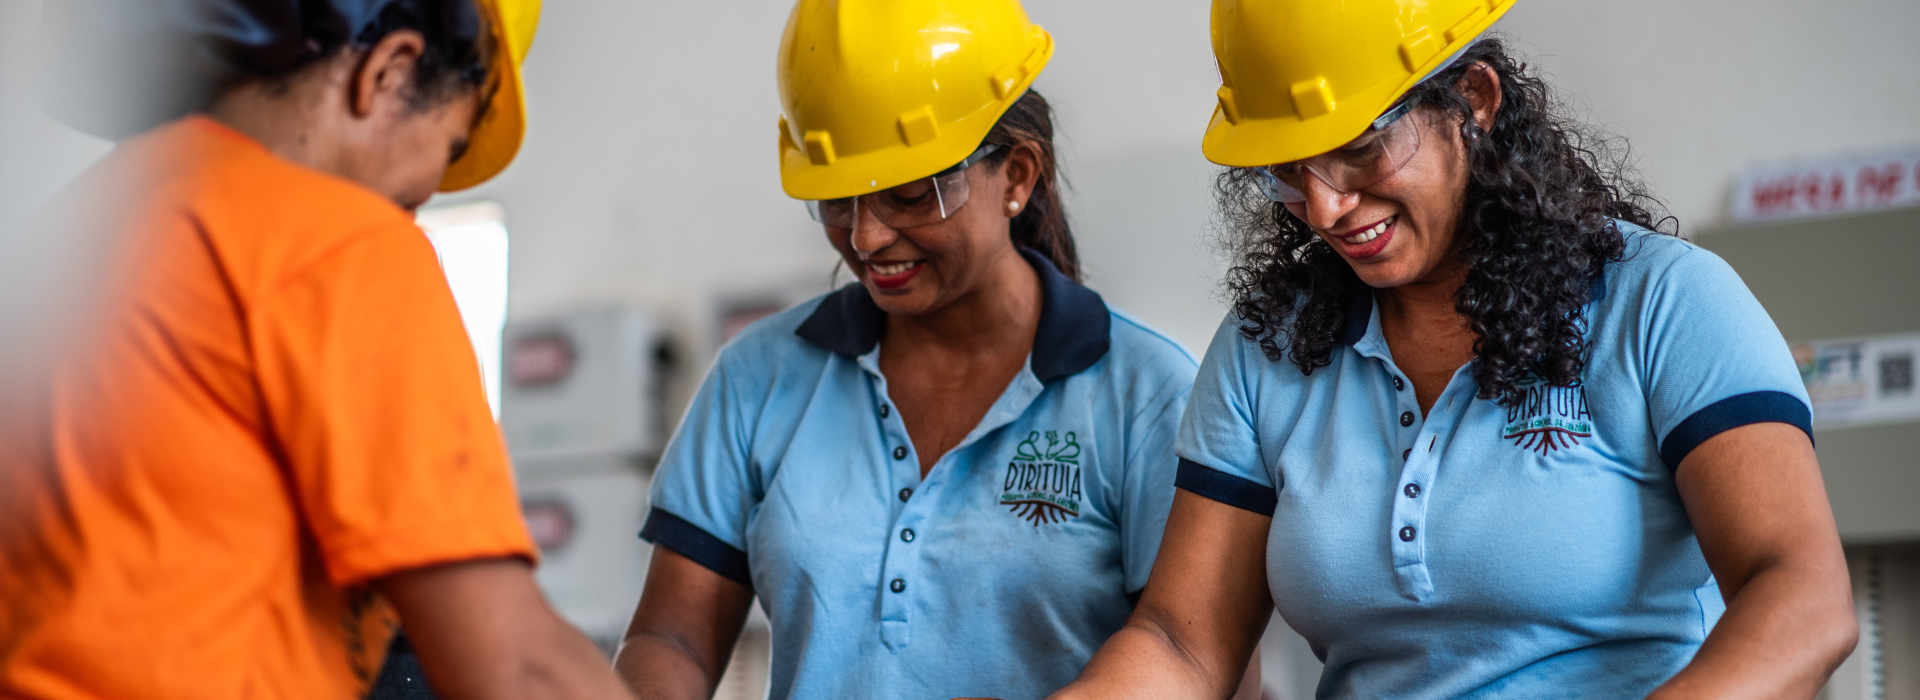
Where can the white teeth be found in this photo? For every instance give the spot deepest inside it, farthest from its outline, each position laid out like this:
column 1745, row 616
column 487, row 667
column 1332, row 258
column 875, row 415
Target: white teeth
column 891, row 270
column 1371, row 233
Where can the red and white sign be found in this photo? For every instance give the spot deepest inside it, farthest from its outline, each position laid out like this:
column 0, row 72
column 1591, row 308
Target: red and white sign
column 1884, row 181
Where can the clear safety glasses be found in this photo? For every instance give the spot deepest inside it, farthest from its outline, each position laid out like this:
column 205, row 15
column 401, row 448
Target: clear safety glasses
column 918, row 203
column 1378, row 153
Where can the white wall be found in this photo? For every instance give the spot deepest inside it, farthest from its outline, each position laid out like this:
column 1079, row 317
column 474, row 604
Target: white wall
column 37, row 155
column 1708, row 87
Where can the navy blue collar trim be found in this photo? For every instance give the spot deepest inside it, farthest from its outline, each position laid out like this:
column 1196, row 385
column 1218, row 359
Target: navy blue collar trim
column 1075, row 329
column 1358, row 303
column 1358, row 312
column 846, row 322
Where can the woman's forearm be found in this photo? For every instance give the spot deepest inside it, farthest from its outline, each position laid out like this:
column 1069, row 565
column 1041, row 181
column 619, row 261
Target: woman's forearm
column 683, row 631
column 1143, row 661
column 657, row 667
column 1201, row 615
column 1783, row 634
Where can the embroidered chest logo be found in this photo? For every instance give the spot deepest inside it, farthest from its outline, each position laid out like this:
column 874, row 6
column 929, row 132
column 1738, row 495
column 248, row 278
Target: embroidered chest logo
column 1043, row 478
column 1548, row 417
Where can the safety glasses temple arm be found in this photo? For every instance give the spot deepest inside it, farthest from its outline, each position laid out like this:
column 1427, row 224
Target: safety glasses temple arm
column 986, row 149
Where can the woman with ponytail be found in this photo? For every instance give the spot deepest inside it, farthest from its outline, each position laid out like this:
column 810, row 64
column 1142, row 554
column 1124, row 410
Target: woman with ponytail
column 946, row 479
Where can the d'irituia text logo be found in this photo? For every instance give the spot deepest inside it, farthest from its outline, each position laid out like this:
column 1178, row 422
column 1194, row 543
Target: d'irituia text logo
column 1548, row 417
column 1043, row 478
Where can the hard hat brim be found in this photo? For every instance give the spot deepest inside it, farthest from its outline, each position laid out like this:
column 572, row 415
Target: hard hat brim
column 851, row 176
column 1256, row 142
column 496, row 139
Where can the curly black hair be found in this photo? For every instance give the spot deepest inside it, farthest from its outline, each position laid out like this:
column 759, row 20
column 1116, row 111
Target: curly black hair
column 1537, row 226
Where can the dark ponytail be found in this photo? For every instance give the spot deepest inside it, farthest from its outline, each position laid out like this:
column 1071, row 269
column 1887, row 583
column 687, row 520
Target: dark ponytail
column 1042, row 226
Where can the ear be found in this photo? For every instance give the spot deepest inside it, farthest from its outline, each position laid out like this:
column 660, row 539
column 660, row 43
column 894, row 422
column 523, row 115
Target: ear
column 385, row 71
column 1481, row 86
column 1023, row 175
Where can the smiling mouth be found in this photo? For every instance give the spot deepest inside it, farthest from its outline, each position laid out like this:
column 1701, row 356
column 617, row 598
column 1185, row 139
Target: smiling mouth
column 891, row 269
column 1369, row 233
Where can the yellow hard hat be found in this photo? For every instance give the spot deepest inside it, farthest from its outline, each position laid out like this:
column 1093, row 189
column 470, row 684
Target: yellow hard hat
column 496, row 138
column 877, row 93
column 1301, row 77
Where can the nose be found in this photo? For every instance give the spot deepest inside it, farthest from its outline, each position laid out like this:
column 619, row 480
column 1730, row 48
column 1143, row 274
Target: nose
column 1326, row 205
column 869, row 235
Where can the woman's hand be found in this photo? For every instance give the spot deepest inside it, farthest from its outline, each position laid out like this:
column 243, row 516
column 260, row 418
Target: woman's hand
column 683, row 632
column 1201, row 616
column 1760, row 509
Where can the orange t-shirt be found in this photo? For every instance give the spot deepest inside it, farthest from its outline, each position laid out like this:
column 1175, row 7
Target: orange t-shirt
column 269, row 401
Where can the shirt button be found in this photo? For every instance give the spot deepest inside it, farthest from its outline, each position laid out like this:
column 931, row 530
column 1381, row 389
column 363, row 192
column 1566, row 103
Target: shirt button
column 898, row 585
column 906, row 535
column 1406, row 419
column 1399, row 385
column 901, row 452
column 1413, row 490
column 885, row 410
column 1406, row 454
column 905, row 494
column 1406, row 535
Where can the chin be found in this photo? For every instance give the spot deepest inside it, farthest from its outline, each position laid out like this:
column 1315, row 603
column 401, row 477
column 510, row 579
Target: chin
column 908, row 302
column 1384, row 275
column 412, row 198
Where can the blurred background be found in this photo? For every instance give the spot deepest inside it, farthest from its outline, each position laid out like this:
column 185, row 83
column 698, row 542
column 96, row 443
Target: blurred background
column 643, row 224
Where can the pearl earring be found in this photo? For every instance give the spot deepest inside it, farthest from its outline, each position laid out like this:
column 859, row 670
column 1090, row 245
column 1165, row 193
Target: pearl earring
column 1013, row 207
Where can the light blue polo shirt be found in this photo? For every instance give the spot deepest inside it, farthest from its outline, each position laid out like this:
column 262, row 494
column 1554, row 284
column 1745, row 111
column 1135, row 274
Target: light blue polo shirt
column 998, row 575
column 1487, row 551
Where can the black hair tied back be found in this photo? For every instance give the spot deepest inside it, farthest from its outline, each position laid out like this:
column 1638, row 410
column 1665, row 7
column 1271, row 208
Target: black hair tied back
column 115, row 68
column 1042, row 225
column 1543, row 192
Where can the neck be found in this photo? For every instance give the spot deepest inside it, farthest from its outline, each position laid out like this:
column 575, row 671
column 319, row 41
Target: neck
column 999, row 315
column 286, row 119
column 1429, row 299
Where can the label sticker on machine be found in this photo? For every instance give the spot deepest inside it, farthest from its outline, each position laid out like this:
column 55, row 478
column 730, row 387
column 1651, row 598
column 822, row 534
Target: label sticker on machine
column 1860, row 381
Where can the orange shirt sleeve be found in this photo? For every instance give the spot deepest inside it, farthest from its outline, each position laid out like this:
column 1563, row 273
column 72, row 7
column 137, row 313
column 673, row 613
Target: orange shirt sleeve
column 376, row 398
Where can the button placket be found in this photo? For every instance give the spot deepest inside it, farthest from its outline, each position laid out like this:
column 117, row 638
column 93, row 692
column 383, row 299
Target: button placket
column 913, row 499
column 902, row 556
column 1411, row 532
column 1407, row 536
column 899, row 563
column 1406, row 533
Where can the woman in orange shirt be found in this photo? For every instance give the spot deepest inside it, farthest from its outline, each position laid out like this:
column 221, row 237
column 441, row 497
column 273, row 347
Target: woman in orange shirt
column 249, row 438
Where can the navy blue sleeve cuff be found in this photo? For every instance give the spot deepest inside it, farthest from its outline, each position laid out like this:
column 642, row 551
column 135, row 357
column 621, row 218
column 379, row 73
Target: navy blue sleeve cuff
column 1733, row 412
column 688, row 540
column 1245, row 494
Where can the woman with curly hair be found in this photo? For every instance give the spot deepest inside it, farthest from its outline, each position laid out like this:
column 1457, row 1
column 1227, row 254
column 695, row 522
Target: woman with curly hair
column 1474, row 425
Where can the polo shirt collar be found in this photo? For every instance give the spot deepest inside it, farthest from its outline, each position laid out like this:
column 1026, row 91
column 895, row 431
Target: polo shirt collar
column 1356, row 312
column 1074, row 328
